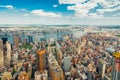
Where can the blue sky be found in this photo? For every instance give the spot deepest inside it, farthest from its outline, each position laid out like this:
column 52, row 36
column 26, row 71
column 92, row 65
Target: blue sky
column 83, row 12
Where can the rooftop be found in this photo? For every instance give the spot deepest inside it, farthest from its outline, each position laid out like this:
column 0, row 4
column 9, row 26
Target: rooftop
column 116, row 54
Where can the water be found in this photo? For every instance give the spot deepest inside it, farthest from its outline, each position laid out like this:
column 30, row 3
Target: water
column 39, row 37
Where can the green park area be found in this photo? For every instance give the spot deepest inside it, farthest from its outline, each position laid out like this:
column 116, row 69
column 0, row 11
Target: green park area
column 118, row 35
column 27, row 46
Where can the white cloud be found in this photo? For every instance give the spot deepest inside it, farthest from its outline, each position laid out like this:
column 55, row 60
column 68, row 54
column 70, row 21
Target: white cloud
column 109, row 3
column 95, row 15
column 70, row 1
column 83, row 9
column 7, row 6
column 23, row 9
column 44, row 14
column 55, row 6
column 26, row 14
column 102, row 11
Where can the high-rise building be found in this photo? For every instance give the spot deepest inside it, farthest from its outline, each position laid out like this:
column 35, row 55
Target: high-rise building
column 8, row 56
column 90, row 68
column 55, row 70
column 24, row 41
column 30, row 38
column 102, row 68
column 1, row 58
column 1, row 54
column 29, row 70
column 1, row 44
column 58, row 34
column 16, row 41
column 116, row 66
column 8, row 45
column 15, row 56
column 57, row 73
column 5, row 39
column 41, row 64
column 66, row 64
column 35, row 39
column 59, row 57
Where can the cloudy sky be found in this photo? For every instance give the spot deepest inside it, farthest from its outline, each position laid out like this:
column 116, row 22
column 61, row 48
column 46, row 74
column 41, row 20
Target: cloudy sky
column 83, row 12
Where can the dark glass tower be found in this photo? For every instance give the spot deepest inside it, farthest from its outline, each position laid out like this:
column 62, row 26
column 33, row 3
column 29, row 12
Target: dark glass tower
column 30, row 38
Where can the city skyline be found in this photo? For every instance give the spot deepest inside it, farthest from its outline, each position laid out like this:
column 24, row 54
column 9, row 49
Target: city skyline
column 82, row 12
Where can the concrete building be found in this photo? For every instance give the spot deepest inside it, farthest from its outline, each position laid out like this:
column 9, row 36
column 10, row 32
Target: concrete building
column 102, row 68
column 66, row 64
column 15, row 56
column 41, row 75
column 30, row 70
column 16, row 41
column 24, row 41
column 56, row 72
column 36, row 39
column 41, row 57
column 1, row 59
column 116, row 66
column 1, row 54
column 8, row 55
column 59, row 56
column 1, row 44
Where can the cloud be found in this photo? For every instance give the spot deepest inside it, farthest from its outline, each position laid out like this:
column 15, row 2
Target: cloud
column 23, row 9
column 71, row 1
column 7, row 6
column 44, row 14
column 95, row 15
column 26, row 14
column 110, row 3
column 55, row 6
column 102, row 11
column 83, row 8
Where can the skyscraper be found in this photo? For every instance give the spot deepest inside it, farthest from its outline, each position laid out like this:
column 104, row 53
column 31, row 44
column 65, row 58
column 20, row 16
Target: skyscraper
column 5, row 39
column 24, row 41
column 56, row 72
column 35, row 39
column 1, row 44
column 1, row 58
column 116, row 66
column 41, row 64
column 1, row 54
column 8, row 56
column 30, row 38
column 102, row 68
column 66, row 64
column 16, row 41
column 59, row 57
